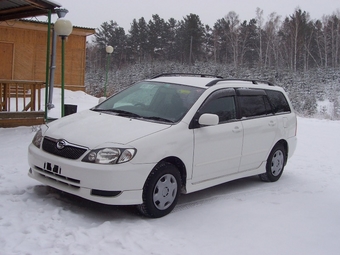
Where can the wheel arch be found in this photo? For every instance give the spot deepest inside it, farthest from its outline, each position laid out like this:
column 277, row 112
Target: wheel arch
column 178, row 163
column 285, row 146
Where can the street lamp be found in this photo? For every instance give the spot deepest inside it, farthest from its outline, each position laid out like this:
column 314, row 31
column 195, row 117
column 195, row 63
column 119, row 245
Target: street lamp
column 63, row 28
column 109, row 50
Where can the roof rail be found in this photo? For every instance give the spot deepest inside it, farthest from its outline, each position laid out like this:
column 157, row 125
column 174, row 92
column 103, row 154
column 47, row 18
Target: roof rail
column 234, row 79
column 187, row 74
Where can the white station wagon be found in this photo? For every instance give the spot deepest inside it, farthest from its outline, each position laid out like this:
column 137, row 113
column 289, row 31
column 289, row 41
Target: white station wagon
column 172, row 134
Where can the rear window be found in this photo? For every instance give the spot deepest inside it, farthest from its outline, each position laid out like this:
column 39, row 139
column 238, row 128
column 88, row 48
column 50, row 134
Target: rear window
column 278, row 101
column 252, row 106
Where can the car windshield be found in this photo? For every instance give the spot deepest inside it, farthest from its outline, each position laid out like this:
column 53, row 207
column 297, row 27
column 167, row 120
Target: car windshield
column 154, row 101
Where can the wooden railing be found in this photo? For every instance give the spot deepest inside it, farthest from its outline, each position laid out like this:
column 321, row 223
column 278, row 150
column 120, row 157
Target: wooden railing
column 20, row 103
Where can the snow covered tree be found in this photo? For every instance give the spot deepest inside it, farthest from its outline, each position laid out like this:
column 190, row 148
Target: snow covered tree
column 138, row 39
column 221, row 49
column 158, row 31
column 233, row 35
column 110, row 33
column 191, row 32
column 271, row 42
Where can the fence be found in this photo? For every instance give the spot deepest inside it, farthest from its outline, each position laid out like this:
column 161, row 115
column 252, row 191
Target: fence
column 20, row 103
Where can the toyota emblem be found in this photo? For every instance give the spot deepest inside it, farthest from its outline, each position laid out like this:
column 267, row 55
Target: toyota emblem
column 61, row 144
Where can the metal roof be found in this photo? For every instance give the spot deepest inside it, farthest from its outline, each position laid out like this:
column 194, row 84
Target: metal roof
column 17, row 9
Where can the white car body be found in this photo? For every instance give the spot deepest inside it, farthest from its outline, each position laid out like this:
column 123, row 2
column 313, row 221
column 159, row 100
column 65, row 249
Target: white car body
column 209, row 155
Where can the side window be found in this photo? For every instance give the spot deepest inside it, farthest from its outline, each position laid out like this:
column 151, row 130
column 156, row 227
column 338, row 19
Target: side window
column 278, row 101
column 254, row 105
column 223, row 106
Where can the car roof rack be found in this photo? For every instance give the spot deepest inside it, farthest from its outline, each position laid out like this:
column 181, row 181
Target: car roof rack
column 255, row 82
column 218, row 78
column 187, row 74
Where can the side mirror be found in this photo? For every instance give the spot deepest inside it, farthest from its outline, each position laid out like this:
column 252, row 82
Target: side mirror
column 101, row 99
column 208, row 119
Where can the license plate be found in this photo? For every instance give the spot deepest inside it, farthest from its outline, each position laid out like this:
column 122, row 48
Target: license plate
column 52, row 168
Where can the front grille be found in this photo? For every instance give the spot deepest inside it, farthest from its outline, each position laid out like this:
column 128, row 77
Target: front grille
column 69, row 151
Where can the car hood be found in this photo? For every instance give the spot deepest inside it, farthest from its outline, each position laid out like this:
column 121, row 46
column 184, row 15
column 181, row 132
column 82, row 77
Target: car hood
column 92, row 129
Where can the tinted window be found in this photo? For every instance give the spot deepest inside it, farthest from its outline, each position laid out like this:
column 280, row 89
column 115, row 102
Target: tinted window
column 278, row 101
column 254, row 106
column 223, row 106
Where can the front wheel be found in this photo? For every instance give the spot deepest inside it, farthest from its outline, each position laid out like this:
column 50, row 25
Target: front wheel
column 275, row 164
column 161, row 191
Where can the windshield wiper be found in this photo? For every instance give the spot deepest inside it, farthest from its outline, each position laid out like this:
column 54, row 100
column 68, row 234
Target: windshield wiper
column 158, row 118
column 132, row 115
column 120, row 112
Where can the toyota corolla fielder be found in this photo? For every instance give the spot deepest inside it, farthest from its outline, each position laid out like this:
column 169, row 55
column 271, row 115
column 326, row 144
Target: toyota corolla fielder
column 165, row 136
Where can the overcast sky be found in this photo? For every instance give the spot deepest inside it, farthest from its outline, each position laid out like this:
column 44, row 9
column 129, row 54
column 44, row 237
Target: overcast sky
column 89, row 13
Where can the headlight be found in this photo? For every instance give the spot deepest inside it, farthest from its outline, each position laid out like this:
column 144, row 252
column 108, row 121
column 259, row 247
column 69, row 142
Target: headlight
column 109, row 156
column 37, row 138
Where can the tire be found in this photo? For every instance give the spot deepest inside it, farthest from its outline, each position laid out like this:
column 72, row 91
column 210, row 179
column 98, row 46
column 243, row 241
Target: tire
column 275, row 164
column 161, row 191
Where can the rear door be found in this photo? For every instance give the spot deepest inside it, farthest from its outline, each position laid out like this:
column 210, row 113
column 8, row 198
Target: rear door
column 260, row 127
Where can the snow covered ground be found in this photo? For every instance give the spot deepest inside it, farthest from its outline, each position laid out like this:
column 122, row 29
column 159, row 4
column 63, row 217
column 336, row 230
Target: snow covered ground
column 299, row 214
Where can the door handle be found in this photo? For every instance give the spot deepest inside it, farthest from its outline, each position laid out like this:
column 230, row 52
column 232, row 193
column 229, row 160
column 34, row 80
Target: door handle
column 236, row 129
column 272, row 123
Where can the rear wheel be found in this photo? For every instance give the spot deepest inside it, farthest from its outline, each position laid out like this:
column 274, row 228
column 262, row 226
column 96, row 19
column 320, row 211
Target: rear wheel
column 275, row 164
column 161, row 191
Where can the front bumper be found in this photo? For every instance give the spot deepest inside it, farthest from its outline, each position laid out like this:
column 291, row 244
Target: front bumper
column 120, row 184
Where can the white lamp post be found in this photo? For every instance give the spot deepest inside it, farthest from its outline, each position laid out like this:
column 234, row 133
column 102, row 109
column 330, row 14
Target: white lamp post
column 63, row 28
column 109, row 50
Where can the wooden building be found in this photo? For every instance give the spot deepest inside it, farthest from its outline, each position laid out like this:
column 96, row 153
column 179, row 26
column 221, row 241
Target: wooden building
column 23, row 60
column 23, row 53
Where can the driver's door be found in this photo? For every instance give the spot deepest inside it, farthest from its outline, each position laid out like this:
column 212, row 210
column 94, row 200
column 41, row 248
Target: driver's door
column 217, row 149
